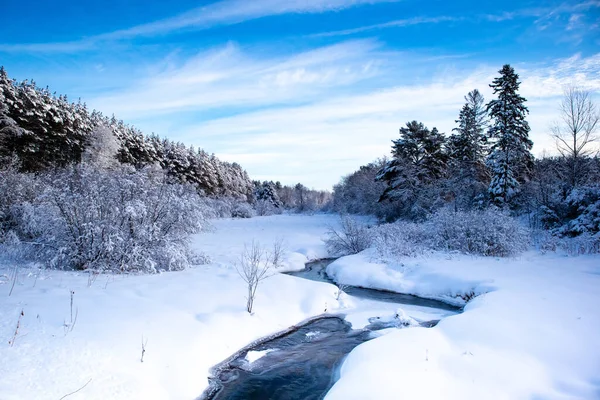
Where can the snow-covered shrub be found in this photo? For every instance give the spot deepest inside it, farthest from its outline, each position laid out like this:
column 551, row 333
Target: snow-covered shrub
column 119, row 220
column 400, row 239
column 228, row 207
column 487, row 233
column 16, row 189
column 265, row 207
column 352, row 237
column 241, row 209
column 573, row 246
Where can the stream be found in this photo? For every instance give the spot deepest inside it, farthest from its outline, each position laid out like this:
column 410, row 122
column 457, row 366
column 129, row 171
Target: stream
column 303, row 362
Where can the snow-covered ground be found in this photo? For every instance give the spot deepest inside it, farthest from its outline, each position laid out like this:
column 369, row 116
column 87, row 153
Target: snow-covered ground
column 533, row 334
column 191, row 319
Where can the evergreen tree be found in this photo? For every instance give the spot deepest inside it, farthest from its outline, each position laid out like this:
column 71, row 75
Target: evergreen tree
column 510, row 159
column 468, row 175
column 9, row 129
column 418, row 162
column 266, row 192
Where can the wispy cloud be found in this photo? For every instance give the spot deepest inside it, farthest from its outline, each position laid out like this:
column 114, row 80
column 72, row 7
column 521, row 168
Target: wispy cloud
column 235, row 11
column 391, row 24
column 225, row 12
column 544, row 17
column 52, row 47
column 229, row 77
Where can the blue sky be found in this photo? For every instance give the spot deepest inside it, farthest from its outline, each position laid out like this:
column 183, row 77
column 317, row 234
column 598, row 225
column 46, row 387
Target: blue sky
column 300, row 90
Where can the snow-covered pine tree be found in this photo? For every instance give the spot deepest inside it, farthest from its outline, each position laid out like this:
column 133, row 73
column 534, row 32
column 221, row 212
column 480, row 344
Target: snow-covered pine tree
column 9, row 129
column 418, row 161
column 466, row 148
column 266, row 192
column 510, row 160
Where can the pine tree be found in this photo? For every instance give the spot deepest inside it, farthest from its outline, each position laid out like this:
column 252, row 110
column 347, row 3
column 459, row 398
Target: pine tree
column 418, row 162
column 510, row 159
column 42, row 131
column 9, row 129
column 266, row 192
column 468, row 175
column 418, row 153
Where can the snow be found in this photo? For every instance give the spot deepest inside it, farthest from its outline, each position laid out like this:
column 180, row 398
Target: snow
column 301, row 235
column 531, row 333
column 410, row 276
column 191, row 319
column 252, row 356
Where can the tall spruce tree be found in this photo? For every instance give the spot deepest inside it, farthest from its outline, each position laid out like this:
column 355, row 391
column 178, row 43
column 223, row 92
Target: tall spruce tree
column 510, row 160
column 468, row 174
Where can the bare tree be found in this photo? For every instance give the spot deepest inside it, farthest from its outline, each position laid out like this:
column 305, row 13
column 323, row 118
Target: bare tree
column 278, row 253
column 341, row 289
column 576, row 131
column 12, row 341
column 352, row 237
column 144, row 343
column 253, row 267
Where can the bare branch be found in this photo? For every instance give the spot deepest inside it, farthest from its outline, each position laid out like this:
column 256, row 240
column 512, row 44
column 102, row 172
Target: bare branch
column 12, row 341
column 144, row 343
column 253, row 267
column 576, row 132
column 69, row 394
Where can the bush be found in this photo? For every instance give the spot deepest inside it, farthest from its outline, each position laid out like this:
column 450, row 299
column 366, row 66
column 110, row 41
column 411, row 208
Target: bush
column 573, row 246
column 400, row 239
column 266, row 207
column 486, row 233
column 352, row 237
column 242, row 210
column 16, row 189
column 118, row 220
column 228, row 207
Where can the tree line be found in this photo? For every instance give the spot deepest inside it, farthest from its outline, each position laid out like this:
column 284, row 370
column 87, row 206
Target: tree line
column 487, row 162
column 41, row 131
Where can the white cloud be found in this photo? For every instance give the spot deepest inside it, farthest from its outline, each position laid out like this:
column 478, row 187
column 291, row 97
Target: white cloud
column 235, row 11
column 391, row 24
column 225, row 12
column 228, row 77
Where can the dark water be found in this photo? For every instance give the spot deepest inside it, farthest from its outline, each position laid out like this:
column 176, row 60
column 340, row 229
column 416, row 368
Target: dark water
column 303, row 363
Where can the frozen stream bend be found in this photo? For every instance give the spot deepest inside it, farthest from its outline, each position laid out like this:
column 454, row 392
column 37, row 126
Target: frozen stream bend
column 302, row 361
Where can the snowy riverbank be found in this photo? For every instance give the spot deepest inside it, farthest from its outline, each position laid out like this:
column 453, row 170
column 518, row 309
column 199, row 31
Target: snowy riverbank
column 533, row 334
column 191, row 319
